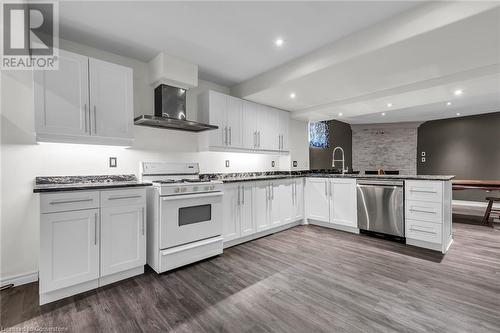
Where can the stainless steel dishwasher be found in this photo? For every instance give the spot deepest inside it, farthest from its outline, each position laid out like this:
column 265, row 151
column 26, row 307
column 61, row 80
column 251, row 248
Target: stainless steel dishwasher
column 380, row 206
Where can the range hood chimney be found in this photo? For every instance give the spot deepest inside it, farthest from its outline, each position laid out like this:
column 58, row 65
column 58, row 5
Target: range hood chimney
column 170, row 111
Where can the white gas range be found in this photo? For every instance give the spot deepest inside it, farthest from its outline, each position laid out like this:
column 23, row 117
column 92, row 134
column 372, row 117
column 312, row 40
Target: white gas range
column 184, row 215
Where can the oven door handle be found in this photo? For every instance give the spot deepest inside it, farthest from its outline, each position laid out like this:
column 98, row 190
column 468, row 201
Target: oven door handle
column 192, row 196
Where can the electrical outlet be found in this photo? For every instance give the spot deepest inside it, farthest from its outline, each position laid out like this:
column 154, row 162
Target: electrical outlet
column 423, row 159
column 112, row 162
column 295, row 164
column 423, row 154
column 273, row 164
column 227, row 163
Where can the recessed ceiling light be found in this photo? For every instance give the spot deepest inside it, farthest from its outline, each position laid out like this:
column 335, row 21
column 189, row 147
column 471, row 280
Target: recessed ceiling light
column 458, row 113
column 340, row 114
column 389, row 105
column 458, row 92
column 292, row 95
column 448, row 103
column 279, row 42
column 383, row 113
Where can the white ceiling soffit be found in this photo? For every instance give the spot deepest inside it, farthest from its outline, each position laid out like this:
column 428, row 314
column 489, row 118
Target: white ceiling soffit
column 414, row 61
column 230, row 41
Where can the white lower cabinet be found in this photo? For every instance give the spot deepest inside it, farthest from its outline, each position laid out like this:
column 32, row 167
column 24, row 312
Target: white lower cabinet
column 123, row 238
column 332, row 202
column 69, row 249
column 89, row 239
column 252, row 208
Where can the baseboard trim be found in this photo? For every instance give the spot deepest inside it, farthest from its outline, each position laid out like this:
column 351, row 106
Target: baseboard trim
column 20, row 279
column 334, row 226
column 262, row 233
column 474, row 208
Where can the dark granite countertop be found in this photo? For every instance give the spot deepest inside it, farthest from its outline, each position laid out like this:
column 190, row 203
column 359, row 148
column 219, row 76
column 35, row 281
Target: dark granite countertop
column 256, row 176
column 77, row 183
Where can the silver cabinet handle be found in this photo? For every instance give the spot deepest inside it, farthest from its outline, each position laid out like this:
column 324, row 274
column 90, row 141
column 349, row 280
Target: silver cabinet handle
column 225, row 135
column 259, row 138
column 143, row 221
column 422, row 191
column 272, row 191
column 422, row 210
column 421, row 230
column 230, row 136
column 243, row 193
column 95, row 228
column 254, row 139
column 326, row 188
column 95, row 120
column 127, row 197
column 69, row 201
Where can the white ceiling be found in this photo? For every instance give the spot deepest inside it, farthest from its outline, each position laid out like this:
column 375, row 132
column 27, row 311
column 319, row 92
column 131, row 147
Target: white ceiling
column 230, row 41
column 414, row 61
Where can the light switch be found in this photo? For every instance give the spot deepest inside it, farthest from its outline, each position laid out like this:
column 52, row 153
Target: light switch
column 227, row 163
column 112, row 162
column 294, row 164
column 273, row 164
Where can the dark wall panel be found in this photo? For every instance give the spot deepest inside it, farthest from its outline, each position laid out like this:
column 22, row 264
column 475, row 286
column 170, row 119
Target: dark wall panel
column 468, row 147
column 340, row 134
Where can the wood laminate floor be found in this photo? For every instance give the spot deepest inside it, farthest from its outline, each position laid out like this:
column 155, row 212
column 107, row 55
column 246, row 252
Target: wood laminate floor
column 306, row 279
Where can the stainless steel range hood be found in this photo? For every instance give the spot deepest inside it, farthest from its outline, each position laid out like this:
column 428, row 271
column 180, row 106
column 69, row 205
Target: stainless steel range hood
column 170, row 111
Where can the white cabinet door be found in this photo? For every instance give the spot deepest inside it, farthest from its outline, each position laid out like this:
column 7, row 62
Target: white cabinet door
column 284, row 123
column 343, row 208
column 298, row 199
column 217, row 108
column 61, row 97
column 123, row 238
column 234, row 122
column 274, row 205
column 246, row 212
column 287, row 201
column 318, row 203
column 69, row 248
column 249, row 128
column 267, row 122
column 111, row 100
column 231, row 223
column 260, row 203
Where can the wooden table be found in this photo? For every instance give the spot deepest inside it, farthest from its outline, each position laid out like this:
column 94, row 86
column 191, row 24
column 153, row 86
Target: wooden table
column 487, row 185
column 467, row 184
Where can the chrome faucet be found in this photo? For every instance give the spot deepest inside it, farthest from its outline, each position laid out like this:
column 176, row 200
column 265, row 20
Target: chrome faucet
column 342, row 160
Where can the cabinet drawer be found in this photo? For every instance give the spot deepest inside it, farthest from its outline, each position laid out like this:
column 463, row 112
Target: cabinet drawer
column 66, row 201
column 422, row 190
column 125, row 197
column 424, row 211
column 424, row 231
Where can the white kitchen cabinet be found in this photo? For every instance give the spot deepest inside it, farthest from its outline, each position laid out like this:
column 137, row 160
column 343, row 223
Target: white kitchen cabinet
column 332, row 202
column 69, row 249
column 260, row 201
column 226, row 112
column 318, row 200
column 62, row 98
column 243, row 125
column 89, row 239
column 283, row 125
column 123, row 238
column 298, row 202
column 85, row 101
column 247, row 225
column 287, row 201
column 343, row 205
column 111, row 103
column 231, row 222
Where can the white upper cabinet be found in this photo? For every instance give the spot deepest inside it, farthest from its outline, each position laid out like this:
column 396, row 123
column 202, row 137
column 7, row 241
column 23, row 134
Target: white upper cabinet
column 61, row 98
column 111, row 100
column 84, row 101
column 234, row 122
column 243, row 125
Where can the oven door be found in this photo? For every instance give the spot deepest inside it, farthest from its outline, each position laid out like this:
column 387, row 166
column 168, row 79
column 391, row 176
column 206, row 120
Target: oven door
column 189, row 218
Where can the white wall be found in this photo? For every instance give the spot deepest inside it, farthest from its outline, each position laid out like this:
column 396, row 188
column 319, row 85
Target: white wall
column 22, row 159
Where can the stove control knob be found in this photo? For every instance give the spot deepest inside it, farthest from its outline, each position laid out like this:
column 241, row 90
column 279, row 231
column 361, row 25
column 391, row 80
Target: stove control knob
column 195, row 188
column 177, row 189
column 183, row 189
column 212, row 187
column 207, row 188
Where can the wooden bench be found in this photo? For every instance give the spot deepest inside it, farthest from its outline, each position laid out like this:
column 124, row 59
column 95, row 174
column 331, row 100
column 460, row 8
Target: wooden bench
column 490, row 209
